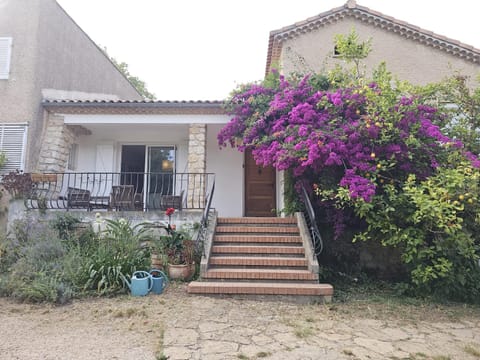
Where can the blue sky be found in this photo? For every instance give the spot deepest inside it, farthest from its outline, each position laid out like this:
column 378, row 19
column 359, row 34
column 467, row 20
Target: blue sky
column 200, row 49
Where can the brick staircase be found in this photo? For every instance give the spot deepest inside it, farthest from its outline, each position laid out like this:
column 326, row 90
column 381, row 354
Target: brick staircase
column 259, row 256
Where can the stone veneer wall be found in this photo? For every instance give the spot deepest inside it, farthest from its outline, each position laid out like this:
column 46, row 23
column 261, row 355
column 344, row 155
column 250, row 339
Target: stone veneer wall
column 197, row 163
column 55, row 146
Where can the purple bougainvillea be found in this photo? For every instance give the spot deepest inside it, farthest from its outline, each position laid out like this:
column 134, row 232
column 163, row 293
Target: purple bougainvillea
column 358, row 142
column 296, row 127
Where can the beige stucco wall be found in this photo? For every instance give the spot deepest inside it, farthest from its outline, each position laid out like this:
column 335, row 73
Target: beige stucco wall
column 49, row 52
column 18, row 96
column 67, row 59
column 409, row 60
column 227, row 165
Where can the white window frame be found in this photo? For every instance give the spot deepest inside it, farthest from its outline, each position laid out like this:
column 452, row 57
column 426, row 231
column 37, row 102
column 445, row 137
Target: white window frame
column 15, row 153
column 5, row 57
column 72, row 163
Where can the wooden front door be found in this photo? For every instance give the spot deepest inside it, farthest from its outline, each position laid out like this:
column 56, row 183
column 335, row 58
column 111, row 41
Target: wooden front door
column 260, row 188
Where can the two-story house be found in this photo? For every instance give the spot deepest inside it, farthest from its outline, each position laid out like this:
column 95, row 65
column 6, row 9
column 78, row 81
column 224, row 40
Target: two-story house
column 99, row 152
column 44, row 54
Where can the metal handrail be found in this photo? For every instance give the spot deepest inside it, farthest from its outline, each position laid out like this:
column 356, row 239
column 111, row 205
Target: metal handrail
column 125, row 191
column 202, row 232
column 310, row 218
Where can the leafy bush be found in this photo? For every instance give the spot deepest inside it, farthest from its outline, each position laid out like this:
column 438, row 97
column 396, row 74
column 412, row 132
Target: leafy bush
column 43, row 287
column 39, row 265
column 17, row 183
column 436, row 223
column 65, row 225
column 374, row 154
column 12, row 245
column 118, row 255
column 33, row 264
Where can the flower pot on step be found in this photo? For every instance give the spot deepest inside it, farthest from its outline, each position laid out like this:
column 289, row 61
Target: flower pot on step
column 181, row 272
column 157, row 261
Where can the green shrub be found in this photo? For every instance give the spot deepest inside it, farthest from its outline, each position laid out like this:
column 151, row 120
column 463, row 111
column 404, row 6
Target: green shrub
column 65, row 225
column 17, row 183
column 53, row 262
column 43, row 287
column 13, row 245
column 33, row 265
column 435, row 222
column 118, row 255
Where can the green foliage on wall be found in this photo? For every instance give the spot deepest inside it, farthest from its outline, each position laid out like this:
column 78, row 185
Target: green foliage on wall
column 385, row 162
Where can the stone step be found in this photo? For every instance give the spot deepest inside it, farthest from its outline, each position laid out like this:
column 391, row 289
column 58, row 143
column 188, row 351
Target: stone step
column 258, row 261
column 260, row 274
column 257, row 220
column 294, row 240
column 257, row 229
column 217, row 288
column 258, row 249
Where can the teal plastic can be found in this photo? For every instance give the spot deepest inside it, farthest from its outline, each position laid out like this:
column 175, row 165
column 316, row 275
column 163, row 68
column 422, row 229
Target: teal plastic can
column 159, row 281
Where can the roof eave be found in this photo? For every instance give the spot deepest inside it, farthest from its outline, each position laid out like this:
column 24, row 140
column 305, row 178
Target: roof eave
column 133, row 107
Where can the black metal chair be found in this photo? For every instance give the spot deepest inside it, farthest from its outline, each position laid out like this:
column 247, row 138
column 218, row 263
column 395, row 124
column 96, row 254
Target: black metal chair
column 171, row 201
column 78, row 198
column 122, row 197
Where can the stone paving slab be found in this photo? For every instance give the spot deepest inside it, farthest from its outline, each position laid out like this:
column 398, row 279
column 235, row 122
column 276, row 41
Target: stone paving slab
column 188, row 327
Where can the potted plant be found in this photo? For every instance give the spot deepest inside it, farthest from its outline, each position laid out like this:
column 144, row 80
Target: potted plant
column 180, row 258
column 160, row 243
column 178, row 247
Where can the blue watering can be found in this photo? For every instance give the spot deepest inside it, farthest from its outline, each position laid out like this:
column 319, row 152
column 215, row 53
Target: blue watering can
column 159, row 280
column 141, row 283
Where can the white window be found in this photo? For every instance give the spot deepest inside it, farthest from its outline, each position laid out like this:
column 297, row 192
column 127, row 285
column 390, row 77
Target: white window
column 13, row 139
column 5, row 55
column 73, row 157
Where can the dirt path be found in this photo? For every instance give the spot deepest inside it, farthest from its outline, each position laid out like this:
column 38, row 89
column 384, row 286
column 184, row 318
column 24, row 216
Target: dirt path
column 190, row 327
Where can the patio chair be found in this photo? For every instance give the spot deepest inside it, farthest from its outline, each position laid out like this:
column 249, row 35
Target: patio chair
column 78, row 198
column 122, row 197
column 138, row 201
column 172, row 201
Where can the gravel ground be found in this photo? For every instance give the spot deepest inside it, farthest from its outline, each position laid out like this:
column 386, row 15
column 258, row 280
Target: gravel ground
column 179, row 326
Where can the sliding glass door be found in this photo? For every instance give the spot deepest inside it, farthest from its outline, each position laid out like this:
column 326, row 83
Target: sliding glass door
column 157, row 163
column 161, row 169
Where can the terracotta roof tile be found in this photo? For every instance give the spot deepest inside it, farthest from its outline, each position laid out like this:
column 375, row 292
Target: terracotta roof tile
column 135, row 106
column 133, row 102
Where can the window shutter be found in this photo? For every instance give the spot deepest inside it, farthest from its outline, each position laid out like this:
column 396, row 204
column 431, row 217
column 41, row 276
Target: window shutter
column 12, row 144
column 5, row 54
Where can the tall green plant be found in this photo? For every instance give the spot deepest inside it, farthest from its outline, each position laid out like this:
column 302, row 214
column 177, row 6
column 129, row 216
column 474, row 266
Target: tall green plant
column 117, row 256
column 456, row 97
column 352, row 50
column 436, row 223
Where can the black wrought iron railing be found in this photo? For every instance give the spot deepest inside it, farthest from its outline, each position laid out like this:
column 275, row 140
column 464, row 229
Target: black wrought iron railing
column 125, row 191
column 311, row 220
column 203, row 230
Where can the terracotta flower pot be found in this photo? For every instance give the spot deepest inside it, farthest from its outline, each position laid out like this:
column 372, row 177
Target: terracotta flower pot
column 158, row 261
column 181, row 272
